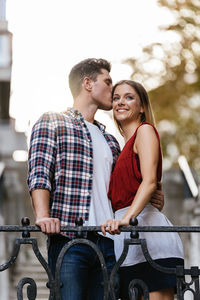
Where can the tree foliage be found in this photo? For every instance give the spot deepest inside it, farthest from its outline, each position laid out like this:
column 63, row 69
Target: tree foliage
column 170, row 70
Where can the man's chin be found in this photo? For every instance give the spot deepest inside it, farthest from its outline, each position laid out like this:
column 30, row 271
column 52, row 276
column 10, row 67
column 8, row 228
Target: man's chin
column 105, row 107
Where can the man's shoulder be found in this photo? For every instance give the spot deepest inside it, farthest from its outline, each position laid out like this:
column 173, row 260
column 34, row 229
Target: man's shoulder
column 51, row 115
column 54, row 118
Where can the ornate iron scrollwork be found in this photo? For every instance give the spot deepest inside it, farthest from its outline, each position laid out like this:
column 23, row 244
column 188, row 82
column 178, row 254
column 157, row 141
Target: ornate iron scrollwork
column 54, row 283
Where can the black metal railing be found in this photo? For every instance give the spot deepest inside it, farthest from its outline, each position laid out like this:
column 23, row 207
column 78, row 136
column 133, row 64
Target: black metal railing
column 54, row 284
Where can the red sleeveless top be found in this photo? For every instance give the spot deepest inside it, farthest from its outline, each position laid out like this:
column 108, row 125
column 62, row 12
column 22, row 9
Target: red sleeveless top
column 126, row 177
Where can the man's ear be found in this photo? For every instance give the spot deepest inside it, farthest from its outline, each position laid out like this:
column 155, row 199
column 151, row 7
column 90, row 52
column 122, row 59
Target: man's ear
column 87, row 84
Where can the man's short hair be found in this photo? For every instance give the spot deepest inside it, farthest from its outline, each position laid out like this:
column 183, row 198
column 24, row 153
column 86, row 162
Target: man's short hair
column 90, row 67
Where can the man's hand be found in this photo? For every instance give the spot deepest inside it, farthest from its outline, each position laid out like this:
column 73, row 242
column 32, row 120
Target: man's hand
column 157, row 200
column 48, row 225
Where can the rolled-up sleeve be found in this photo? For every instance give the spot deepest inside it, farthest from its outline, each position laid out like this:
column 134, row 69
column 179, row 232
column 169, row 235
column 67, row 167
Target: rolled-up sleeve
column 42, row 154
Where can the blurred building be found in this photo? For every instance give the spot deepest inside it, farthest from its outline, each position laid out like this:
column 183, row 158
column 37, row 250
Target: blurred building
column 182, row 207
column 13, row 153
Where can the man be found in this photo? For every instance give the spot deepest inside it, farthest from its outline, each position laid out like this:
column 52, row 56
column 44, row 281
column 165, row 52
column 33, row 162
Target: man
column 70, row 161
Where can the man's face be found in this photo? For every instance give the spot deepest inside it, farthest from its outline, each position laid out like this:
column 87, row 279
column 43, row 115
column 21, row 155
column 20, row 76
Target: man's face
column 102, row 90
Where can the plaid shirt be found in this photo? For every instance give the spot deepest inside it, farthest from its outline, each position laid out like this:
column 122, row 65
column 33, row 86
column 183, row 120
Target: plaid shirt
column 61, row 161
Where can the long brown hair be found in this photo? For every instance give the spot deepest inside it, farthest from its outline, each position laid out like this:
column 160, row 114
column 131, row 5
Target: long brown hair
column 147, row 115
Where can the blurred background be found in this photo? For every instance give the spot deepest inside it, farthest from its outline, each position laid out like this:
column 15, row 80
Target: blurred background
column 155, row 42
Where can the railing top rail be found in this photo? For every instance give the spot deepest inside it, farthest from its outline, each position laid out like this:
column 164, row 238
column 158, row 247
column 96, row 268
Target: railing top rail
column 34, row 228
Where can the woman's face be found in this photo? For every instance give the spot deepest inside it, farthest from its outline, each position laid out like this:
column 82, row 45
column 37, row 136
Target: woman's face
column 126, row 104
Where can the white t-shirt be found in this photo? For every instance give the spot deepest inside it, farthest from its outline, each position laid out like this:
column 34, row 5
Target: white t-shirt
column 100, row 207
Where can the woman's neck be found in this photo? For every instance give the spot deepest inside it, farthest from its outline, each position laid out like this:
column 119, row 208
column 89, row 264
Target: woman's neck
column 129, row 129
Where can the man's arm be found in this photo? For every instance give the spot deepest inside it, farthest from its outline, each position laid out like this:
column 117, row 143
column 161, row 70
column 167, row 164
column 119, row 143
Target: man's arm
column 40, row 200
column 42, row 155
column 157, row 200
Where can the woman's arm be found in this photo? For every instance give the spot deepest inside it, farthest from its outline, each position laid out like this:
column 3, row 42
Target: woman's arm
column 147, row 147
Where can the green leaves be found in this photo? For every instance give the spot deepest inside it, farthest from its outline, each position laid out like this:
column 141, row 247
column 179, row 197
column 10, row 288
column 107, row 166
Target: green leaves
column 170, row 71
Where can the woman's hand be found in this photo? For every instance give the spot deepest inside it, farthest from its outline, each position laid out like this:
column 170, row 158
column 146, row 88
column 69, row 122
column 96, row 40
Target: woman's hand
column 112, row 226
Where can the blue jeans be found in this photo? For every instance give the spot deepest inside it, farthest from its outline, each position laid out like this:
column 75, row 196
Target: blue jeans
column 81, row 273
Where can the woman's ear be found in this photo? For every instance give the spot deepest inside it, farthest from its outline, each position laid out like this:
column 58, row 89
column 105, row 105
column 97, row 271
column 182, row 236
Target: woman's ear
column 87, row 84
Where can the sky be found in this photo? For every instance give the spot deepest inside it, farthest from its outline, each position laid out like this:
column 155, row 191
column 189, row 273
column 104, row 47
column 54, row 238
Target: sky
column 50, row 36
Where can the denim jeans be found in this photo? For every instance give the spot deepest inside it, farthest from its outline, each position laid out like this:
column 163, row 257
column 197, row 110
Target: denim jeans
column 81, row 275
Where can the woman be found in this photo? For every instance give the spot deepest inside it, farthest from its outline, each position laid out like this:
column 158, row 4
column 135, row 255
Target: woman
column 134, row 179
